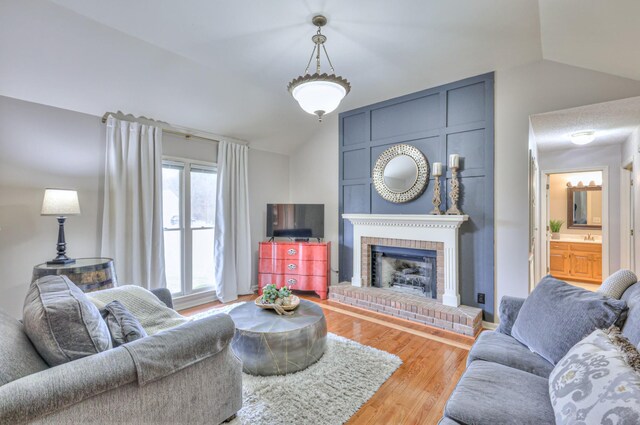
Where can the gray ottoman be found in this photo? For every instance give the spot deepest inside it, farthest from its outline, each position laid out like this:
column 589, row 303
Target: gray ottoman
column 269, row 344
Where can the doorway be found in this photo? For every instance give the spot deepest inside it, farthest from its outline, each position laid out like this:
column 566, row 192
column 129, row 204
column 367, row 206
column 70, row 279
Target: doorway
column 627, row 211
column 576, row 216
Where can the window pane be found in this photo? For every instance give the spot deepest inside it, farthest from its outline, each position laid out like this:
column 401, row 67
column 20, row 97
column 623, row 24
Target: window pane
column 173, row 260
column 203, row 258
column 171, row 197
column 203, row 198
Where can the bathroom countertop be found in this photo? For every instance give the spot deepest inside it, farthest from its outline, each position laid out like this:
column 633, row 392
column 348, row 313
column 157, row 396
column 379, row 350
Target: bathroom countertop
column 576, row 239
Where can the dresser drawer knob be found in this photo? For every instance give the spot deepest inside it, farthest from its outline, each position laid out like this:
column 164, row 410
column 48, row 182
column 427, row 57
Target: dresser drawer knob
column 291, row 281
column 292, row 266
column 292, row 251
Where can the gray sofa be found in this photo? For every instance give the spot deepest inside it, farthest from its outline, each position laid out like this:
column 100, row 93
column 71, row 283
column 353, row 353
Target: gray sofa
column 201, row 381
column 505, row 382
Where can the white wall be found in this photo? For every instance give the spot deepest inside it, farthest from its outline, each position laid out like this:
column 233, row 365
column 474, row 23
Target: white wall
column 43, row 146
column 538, row 87
column 314, row 179
column 542, row 86
column 268, row 183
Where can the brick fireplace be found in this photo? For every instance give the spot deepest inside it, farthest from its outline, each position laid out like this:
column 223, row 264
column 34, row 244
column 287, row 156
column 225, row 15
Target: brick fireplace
column 425, row 234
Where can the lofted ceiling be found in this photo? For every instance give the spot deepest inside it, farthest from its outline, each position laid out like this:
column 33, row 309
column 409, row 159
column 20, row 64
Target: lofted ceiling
column 613, row 122
column 223, row 66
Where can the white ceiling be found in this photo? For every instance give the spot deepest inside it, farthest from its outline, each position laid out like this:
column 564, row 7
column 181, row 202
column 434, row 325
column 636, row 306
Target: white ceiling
column 223, row 66
column 613, row 123
column 593, row 34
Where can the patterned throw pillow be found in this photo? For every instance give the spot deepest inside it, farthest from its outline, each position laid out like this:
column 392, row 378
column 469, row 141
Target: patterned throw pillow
column 615, row 285
column 598, row 381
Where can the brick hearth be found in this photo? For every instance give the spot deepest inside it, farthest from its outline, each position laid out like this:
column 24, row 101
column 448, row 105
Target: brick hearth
column 463, row 319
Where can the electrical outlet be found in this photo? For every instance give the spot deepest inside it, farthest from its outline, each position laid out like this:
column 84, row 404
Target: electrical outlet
column 480, row 298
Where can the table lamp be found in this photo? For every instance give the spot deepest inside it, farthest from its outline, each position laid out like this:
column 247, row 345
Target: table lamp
column 60, row 203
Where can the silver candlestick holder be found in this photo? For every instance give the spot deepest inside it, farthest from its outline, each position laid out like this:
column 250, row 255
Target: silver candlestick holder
column 437, row 172
column 454, row 194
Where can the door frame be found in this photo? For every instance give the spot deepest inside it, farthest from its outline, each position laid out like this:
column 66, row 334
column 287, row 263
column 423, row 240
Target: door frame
column 627, row 212
column 544, row 216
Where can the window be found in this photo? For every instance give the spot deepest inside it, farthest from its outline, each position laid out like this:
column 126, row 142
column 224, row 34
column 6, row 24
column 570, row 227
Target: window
column 189, row 204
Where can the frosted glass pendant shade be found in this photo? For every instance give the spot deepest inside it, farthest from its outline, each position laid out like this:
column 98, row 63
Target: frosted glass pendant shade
column 319, row 94
column 60, row 202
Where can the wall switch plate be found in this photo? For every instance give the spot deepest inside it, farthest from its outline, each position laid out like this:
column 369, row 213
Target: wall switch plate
column 480, row 298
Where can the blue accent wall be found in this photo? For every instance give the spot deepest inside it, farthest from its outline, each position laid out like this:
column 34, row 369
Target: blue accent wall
column 454, row 118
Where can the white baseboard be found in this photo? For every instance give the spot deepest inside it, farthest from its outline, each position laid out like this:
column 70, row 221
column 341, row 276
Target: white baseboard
column 193, row 300
column 490, row 325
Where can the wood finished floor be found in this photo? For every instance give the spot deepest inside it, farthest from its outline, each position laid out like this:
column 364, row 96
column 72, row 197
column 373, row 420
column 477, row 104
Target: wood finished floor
column 433, row 361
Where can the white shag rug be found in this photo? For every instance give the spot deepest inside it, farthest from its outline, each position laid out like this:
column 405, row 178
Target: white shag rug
column 328, row 392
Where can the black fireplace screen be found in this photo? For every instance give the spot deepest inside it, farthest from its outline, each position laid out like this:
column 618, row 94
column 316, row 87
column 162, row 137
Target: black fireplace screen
column 405, row 270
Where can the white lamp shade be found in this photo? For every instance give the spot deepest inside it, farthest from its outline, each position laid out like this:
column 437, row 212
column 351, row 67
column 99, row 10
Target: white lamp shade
column 319, row 96
column 60, row 202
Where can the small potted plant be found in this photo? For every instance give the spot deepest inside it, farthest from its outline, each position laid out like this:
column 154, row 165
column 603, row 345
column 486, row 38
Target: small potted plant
column 555, row 226
column 281, row 300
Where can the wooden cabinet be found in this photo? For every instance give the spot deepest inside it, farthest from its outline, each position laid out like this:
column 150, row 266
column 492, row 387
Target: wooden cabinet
column 304, row 266
column 559, row 259
column 577, row 261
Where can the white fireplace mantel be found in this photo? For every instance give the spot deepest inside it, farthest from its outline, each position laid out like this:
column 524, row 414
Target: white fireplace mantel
column 419, row 227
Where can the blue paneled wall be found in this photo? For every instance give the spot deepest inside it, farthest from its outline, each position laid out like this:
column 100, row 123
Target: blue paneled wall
column 454, row 118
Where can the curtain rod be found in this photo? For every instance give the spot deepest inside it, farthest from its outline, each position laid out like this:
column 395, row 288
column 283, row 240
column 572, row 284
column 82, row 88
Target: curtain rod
column 185, row 132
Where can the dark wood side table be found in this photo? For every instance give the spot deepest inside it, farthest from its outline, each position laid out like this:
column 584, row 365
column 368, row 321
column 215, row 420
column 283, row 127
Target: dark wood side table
column 89, row 274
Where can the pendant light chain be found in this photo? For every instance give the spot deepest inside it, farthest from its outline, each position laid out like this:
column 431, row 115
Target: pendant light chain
column 328, row 60
column 306, row 71
column 317, row 49
column 319, row 94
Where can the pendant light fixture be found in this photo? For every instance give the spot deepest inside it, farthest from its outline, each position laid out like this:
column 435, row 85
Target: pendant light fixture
column 319, row 94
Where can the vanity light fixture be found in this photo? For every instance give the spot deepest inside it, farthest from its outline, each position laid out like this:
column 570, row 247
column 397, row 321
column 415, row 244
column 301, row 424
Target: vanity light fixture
column 583, row 137
column 318, row 93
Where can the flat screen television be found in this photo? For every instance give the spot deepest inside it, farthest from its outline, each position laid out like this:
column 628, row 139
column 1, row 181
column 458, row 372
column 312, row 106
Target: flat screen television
column 300, row 221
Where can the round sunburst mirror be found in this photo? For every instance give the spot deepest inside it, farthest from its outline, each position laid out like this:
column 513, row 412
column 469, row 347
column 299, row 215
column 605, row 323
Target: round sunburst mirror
column 401, row 174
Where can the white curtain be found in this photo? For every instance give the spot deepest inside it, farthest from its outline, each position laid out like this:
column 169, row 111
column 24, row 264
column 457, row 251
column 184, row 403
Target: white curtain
column 132, row 232
column 232, row 246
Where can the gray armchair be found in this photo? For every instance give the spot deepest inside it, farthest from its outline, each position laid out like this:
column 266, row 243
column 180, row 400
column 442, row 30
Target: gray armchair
column 164, row 295
column 186, row 375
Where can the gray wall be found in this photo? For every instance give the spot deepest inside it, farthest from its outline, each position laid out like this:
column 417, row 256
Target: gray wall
column 43, row 146
column 454, row 118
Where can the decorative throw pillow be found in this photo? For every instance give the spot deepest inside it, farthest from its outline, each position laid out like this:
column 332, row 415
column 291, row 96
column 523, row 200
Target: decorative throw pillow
column 615, row 285
column 557, row 315
column 597, row 382
column 123, row 326
column 61, row 322
column 631, row 328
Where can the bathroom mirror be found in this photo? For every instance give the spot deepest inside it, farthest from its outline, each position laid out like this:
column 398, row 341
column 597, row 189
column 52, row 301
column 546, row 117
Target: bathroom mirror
column 401, row 173
column 584, row 207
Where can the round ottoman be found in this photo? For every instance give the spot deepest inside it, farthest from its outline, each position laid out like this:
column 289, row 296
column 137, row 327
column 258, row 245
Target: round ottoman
column 269, row 344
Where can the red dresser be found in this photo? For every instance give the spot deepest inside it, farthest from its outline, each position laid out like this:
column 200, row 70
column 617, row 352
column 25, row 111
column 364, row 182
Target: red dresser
column 305, row 266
